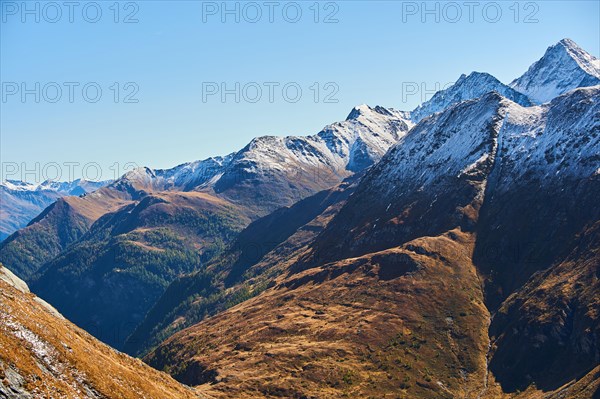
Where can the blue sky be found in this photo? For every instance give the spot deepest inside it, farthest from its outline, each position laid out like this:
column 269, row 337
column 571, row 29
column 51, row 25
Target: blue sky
column 367, row 52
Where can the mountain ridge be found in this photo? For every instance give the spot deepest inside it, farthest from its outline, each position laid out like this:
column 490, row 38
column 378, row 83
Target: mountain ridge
column 466, row 87
column 461, row 264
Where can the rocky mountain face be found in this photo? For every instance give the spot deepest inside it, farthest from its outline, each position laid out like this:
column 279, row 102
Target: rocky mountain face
column 284, row 170
column 21, row 201
column 453, row 153
column 439, row 165
column 564, row 67
column 44, row 355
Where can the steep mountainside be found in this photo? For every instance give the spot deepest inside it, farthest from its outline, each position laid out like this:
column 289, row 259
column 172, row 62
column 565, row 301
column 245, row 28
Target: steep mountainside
column 543, row 190
column 428, row 183
column 564, row 67
column 397, row 293
column 551, row 324
column 42, row 355
column 20, row 202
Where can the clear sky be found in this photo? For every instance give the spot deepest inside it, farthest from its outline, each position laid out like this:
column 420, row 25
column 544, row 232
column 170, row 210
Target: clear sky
column 172, row 58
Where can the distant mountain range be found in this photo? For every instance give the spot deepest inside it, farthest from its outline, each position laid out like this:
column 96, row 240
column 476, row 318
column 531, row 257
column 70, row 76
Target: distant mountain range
column 21, row 201
column 451, row 251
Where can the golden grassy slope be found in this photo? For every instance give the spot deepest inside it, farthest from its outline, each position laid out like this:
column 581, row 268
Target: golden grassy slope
column 56, row 359
column 408, row 322
column 97, row 204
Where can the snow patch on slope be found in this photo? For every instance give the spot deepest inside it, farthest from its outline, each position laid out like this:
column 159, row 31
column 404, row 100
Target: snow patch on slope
column 557, row 140
column 448, row 144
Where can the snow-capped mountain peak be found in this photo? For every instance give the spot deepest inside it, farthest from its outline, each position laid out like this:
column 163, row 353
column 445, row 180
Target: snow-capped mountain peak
column 186, row 176
column 586, row 61
column 358, row 111
column 467, row 87
column 297, row 165
column 17, row 185
column 565, row 66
